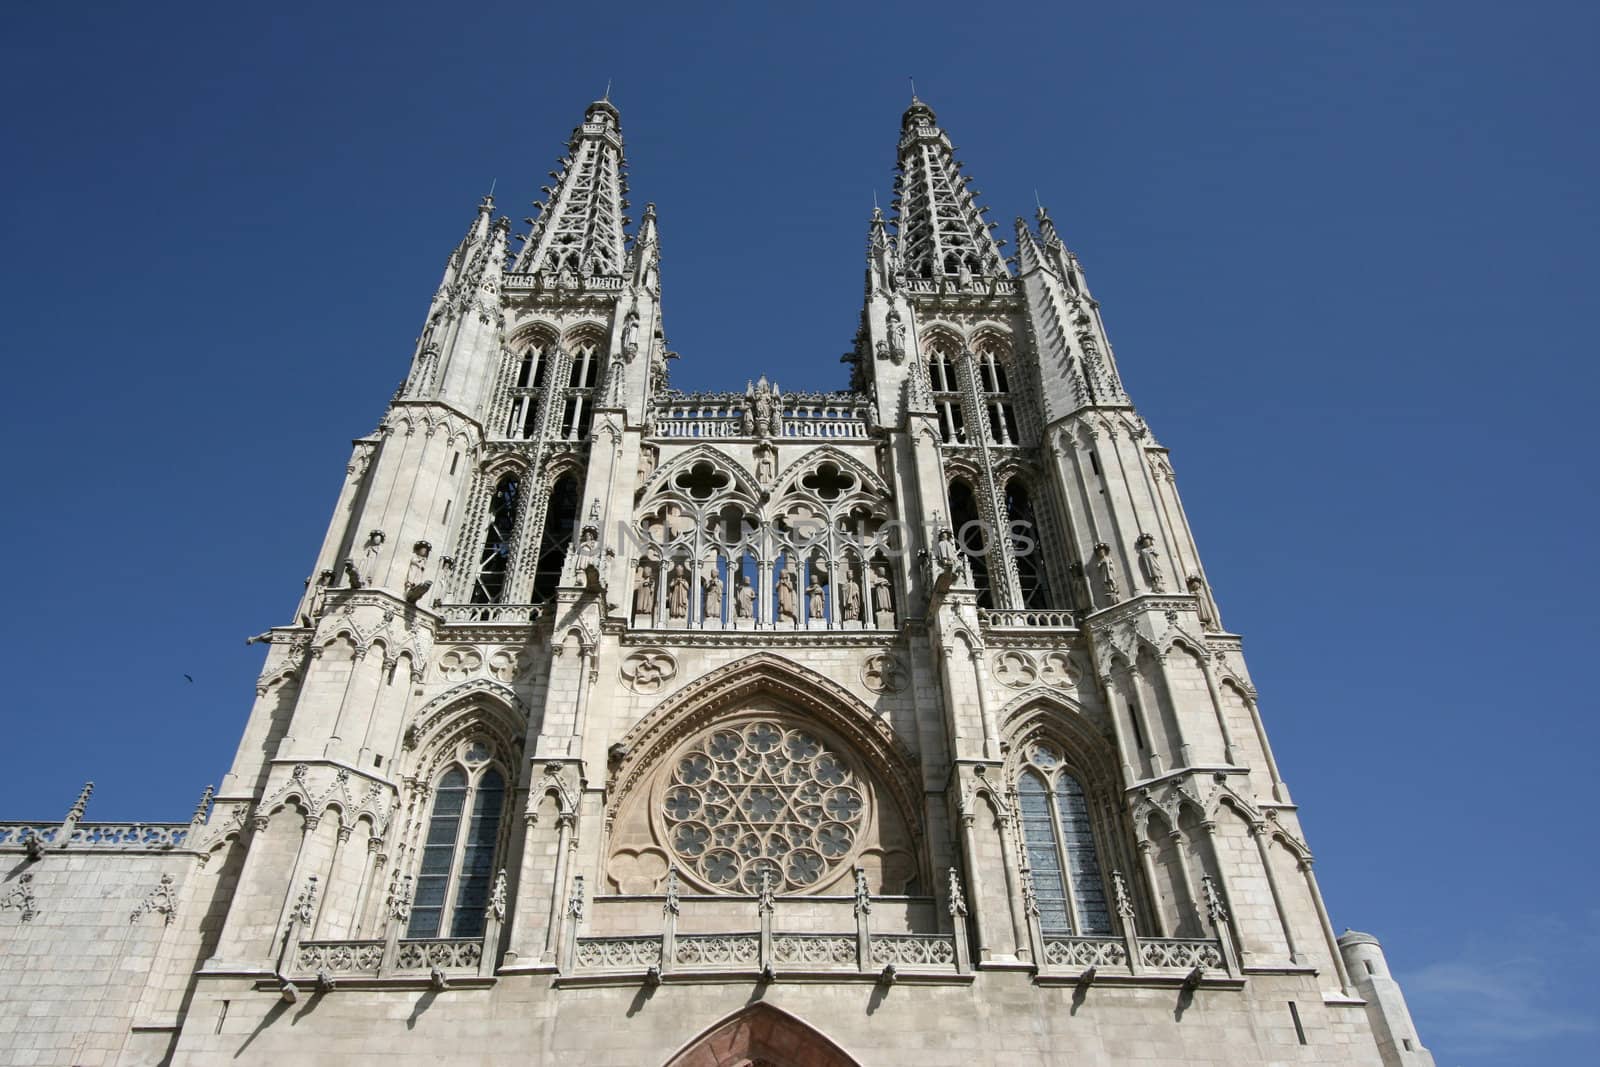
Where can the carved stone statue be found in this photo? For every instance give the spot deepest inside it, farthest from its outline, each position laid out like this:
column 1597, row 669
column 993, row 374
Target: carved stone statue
column 644, row 589
column 882, row 595
column 788, row 605
column 713, row 601
column 765, row 465
column 319, row 597
column 678, row 592
column 1081, row 596
column 744, row 599
column 963, row 275
column 897, row 337
column 818, row 602
column 370, row 552
column 417, row 583
column 1150, row 563
column 1203, row 603
column 851, row 599
column 630, row 334
column 1106, row 568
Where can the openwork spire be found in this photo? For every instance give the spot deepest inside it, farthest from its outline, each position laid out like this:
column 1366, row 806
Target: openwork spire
column 580, row 222
column 941, row 227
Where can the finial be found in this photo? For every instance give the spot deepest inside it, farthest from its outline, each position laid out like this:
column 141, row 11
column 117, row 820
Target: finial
column 607, row 96
column 81, row 803
column 204, row 805
column 1036, row 201
column 913, row 82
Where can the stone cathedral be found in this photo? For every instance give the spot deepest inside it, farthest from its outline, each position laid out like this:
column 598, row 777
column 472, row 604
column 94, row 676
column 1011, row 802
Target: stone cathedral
column 622, row 725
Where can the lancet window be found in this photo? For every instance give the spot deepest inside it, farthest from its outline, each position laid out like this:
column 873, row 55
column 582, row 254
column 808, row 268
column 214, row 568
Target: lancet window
column 494, row 563
column 1028, row 551
column 456, row 873
column 972, row 537
column 946, row 389
column 991, row 357
column 561, row 516
column 527, row 388
column 578, row 404
column 1062, row 856
column 712, row 556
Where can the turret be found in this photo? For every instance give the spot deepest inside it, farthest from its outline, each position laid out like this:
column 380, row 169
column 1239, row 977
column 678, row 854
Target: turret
column 1398, row 1042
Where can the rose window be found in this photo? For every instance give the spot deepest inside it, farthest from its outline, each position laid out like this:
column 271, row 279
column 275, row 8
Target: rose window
column 762, row 798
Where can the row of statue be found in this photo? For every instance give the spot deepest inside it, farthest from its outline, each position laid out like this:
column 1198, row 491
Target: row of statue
column 787, row 594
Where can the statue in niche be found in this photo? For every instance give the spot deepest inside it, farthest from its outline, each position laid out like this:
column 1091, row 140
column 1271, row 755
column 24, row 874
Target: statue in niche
column 319, row 597
column 851, row 598
column 765, row 465
column 963, row 276
column 818, row 602
column 644, row 589
column 678, row 592
column 897, row 337
column 630, row 334
column 759, row 406
column 788, row 605
column 1150, row 563
column 1106, row 568
column 1080, row 586
column 744, row 599
column 417, row 584
column 1203, row 603
column 370, row 553
column 882, row 595
column 713, row 601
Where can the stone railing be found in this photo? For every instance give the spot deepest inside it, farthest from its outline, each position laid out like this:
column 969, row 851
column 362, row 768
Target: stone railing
column 719, row 415
column 501, row 614
column 976, row 287
column 1178, row 953
column 768, row 952
column 127, row 837
column 1132, row 957
column 594, row 283
column 1011, row 619
column 325, row 961
column 811, row 416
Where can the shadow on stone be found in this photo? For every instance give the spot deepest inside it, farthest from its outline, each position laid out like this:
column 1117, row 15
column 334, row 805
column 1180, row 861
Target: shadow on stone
column 424, row 1002
column 273, row 1014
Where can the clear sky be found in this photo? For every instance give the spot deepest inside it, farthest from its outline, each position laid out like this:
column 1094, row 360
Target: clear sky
column 1344, row 253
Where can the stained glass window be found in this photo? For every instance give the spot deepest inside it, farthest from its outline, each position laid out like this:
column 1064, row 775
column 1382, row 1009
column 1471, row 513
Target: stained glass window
column 457, row 869
column 1068, row 887
column 759, row 798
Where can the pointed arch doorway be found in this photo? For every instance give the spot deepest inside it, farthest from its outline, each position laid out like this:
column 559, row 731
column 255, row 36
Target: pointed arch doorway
column 762, row 1036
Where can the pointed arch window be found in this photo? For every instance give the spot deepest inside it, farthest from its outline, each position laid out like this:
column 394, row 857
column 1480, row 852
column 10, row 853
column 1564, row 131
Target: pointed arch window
column 578, row 408
column 561, row 516
column 1061, row 853
column 991, row 357
column 1031, row 570
column 532, row 369
column 456, row 874
column 971, row 537
column 494, row 563
column 946, row 390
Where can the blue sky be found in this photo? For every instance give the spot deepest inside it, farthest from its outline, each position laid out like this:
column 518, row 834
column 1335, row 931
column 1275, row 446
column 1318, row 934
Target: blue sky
column 1344, row 253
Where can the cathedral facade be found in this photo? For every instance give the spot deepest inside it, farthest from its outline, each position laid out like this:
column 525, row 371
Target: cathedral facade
column 620, row 725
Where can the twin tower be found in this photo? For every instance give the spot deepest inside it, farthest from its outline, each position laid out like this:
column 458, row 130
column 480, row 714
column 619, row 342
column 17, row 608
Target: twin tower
column 623, row 725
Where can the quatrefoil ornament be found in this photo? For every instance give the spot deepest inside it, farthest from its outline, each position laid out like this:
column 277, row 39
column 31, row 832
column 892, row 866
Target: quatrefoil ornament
column 649, row 670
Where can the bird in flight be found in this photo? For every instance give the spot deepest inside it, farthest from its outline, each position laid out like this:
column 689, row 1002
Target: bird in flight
column 190, row 677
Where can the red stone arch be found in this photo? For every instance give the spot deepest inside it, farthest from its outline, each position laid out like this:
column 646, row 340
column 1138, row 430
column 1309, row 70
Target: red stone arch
column 762, row 1036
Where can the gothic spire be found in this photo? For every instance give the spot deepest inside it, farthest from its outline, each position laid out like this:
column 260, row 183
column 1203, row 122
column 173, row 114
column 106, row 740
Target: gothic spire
column 941, row 226
column 580, row 222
